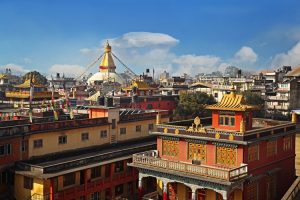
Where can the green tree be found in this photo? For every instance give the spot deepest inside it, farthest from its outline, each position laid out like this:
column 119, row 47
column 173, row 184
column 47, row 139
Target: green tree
column 192, row 105
column 255, row 99
column 39, row 78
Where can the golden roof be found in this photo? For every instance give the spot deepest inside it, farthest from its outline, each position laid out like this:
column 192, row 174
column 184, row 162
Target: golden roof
column 232, row 102
column 140, row 85
column 3, row 75
column 26, row 84
column 94, row 97
column 107, row 62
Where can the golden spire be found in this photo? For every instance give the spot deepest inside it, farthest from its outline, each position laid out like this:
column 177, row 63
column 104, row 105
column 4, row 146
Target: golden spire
column 107, row 48
column 107, row 63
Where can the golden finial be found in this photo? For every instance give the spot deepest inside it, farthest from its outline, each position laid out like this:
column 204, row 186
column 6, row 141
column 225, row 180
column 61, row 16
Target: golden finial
column 107, row 48
column 232, row 91
column 294, row 117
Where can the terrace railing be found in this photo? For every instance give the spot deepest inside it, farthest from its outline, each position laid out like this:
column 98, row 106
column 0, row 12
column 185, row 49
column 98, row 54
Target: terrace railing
column 151, row 159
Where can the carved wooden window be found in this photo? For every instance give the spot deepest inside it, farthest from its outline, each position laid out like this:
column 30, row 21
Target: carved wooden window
column 197, row 151
column 170, row 148
column 226, row 155
column 287, row 143
column 271, row 148
column 253, row 152
column 252, row 191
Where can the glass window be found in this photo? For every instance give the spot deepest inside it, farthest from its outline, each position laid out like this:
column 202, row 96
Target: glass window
column 84, row 136
column 287, row 143
column 138, row 128
column 253, row 152
column 38, row 143
column 150, row 127
column 24, row 145
column 119, row 190
column 28, row 183
column 96, row 172
column 122, row 131
column 103, row 134
column 69, row 179
column 113, row 123
column 119, row 166
column 271, row 148
column 62, row 139
column 96, row 196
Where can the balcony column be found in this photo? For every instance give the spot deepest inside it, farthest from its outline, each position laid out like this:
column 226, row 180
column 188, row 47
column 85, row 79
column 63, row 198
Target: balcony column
column 51, row 193
column 85, row 181
column 165, row 190
column 224, row 194
column 194, row 193
column 140, row 188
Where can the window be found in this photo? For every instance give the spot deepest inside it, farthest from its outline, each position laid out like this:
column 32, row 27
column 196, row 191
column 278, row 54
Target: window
column 95, row 196
column 287, row 143
column 38, row 143
column 271, row 148
column 103, row 134
column 253, row 152
column 28, row 183
column 150, row 127
column 113, row 123
column 197, row 151
column 226, row 120
column 119, row 166
column 5, row 149
column 119, row 190
column 252, row 191
column 138, row 128
column 84, row 136
column 69, row 179
column 62, row 139
column 122, row 131
column 226, row 155
column 96, row 172
column 24, row 145
column 216, row 95
column 170, row 147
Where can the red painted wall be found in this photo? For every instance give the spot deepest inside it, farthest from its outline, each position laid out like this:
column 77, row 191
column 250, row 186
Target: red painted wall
column 163, row 105
column 239, row 116
column 283, row 160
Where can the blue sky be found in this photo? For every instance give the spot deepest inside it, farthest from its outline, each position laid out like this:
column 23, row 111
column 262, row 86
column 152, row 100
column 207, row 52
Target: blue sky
column 180, row 36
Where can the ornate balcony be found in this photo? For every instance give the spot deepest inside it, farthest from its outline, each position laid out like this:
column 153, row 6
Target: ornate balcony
column 150, row 159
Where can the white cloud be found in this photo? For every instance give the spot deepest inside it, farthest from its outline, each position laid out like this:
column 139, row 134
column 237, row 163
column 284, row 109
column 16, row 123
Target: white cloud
column 67, row 70
column 141, row 50
column 246, row 55
column 292, row 57
column 194, row 64
column 143, row 39
column 15, row 69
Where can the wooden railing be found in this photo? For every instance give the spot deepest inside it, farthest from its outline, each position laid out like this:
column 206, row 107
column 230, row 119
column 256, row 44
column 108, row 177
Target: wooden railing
column 151, row 159
column 292, row 191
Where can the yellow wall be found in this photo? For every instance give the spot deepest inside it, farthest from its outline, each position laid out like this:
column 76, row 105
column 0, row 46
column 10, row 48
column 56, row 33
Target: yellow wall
column 131, row 129
column 50, row 140
column 21, row 193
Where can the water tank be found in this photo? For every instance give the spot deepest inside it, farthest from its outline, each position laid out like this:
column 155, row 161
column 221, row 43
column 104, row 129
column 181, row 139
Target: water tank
column 101, row 100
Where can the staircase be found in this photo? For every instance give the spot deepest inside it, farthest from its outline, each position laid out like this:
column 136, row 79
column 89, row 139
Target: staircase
column 113, row 139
